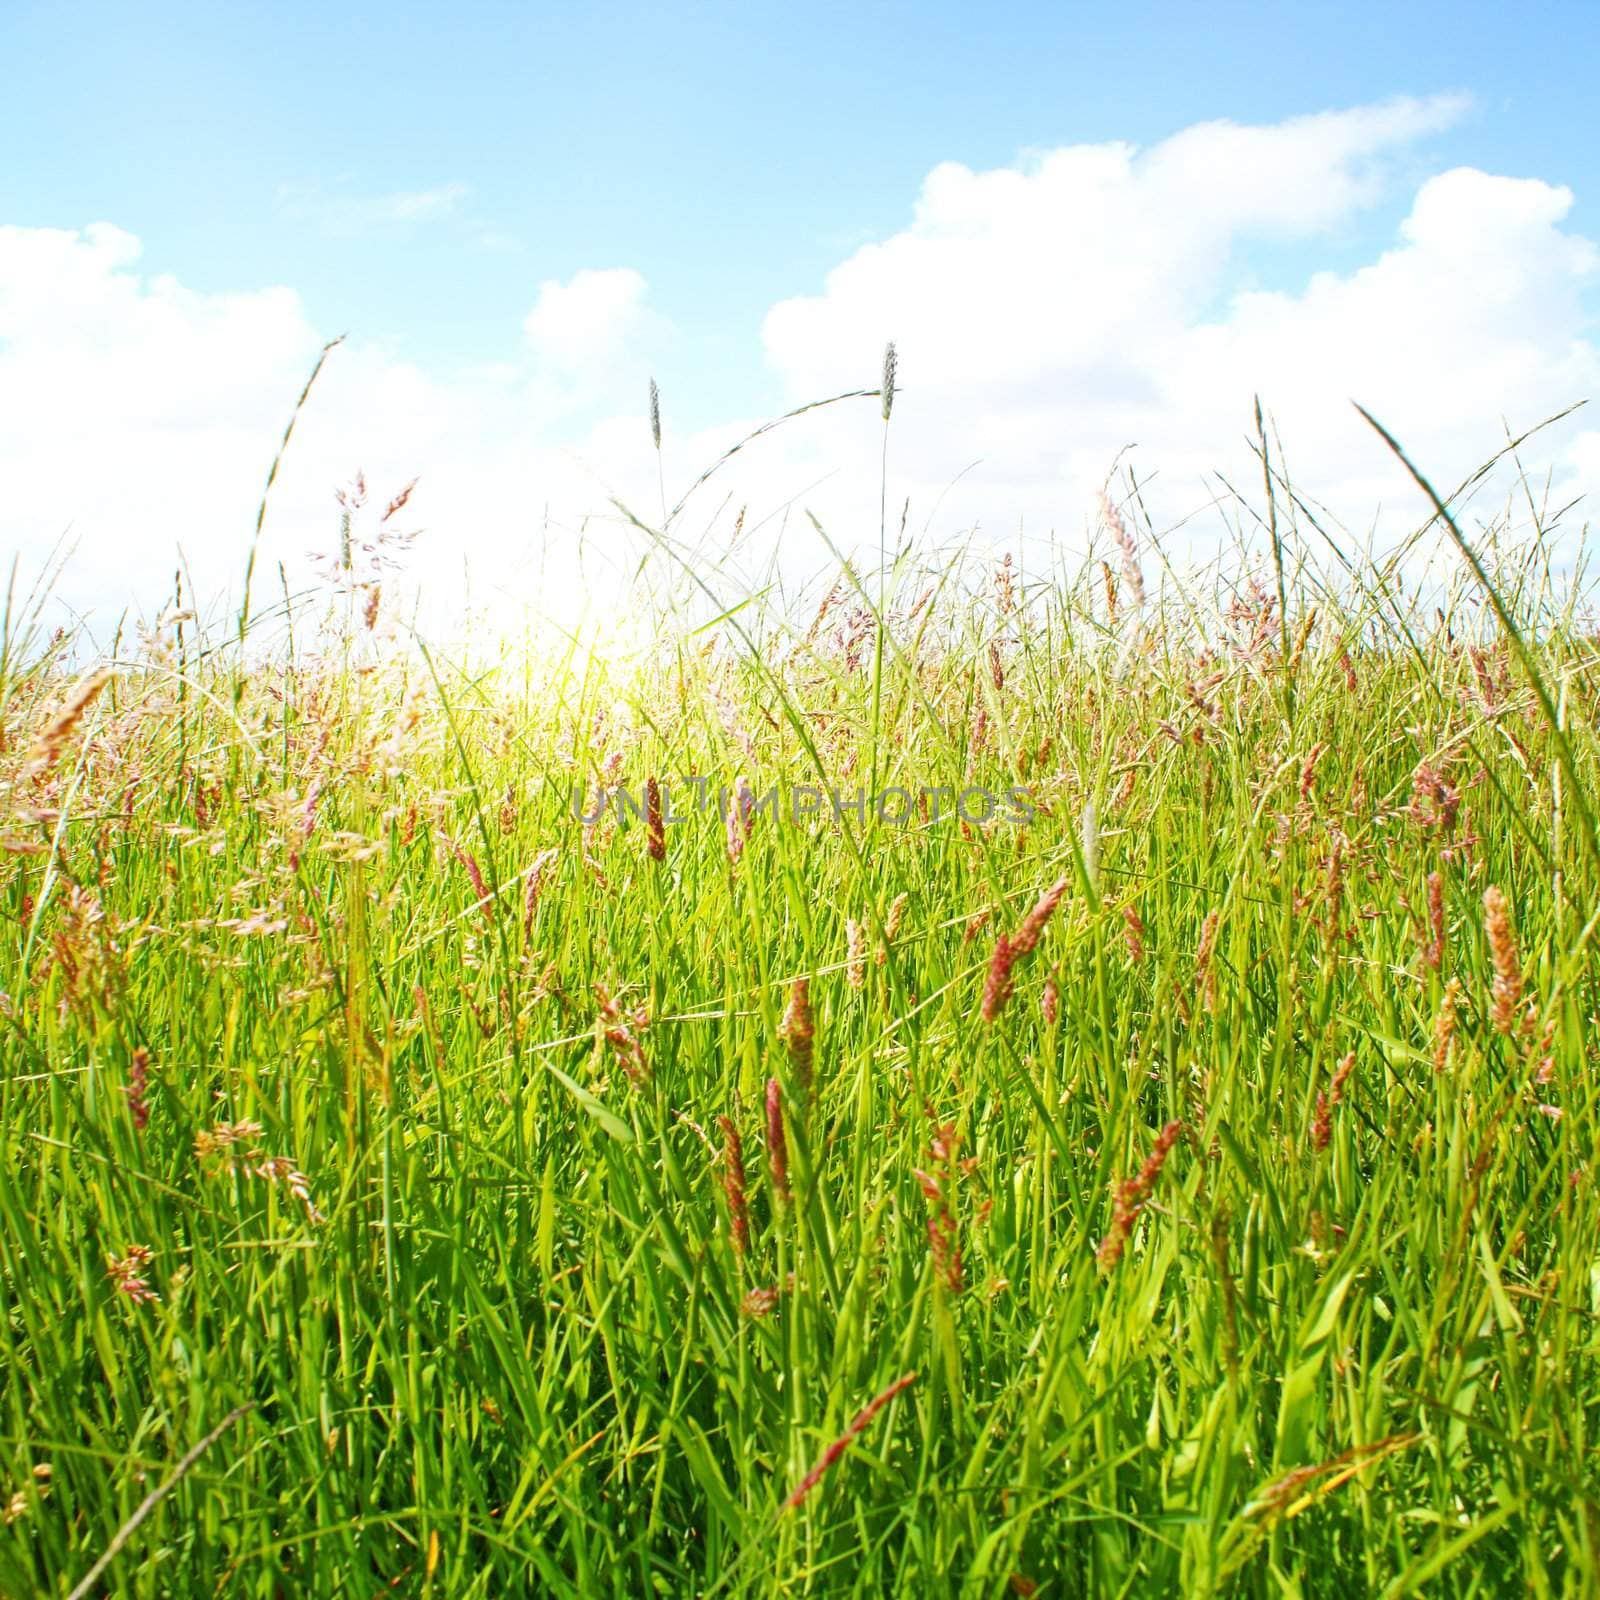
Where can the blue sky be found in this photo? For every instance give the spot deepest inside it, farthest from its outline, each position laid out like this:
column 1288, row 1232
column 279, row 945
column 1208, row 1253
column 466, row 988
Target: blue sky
column 1088, row 228
column 731, row 153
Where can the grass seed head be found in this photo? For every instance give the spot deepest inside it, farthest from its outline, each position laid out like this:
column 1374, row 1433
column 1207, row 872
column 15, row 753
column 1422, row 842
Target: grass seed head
column 855, row 954
column 1444, row 1027
column 127, row 1274
column 1131, row 1194
column 891, row 925
column 1322, row 1125
column 654, row 821
column 1134, row 933
column 1205, row 976
column 858, row 1426
column 1132, row 573
column 138, row 1085
column 999, row 985
column 1004, row 591
column 733, row 1186
column 798, row 1031
column 52, row 738
column 777, row 1143
column 1507, row 994
column 1033, row 925
column 1433, row 953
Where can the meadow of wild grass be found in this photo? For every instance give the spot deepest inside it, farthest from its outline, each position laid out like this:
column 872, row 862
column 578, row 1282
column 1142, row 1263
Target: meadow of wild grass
column 412, row 1182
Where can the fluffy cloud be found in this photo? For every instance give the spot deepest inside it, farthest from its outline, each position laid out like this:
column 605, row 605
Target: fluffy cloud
column 1052, row 315
column 138, row 420
column 1048, row 315
column 589, row 318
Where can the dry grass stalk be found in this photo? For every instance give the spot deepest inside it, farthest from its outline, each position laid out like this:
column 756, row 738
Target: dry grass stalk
column 1132, row 573
column 52, row 738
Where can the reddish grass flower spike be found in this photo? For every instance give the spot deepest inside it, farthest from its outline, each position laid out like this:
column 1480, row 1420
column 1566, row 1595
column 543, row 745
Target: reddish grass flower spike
column 1308, row 770
column 1050, row 1002
column 475, row 874
column 654, row 821
column 760, row 1302
column 537, row 875
column 777, row 1143
column 862, row 1421
column 944, row 1239
column 1434, row 953
column 1322, row 1127
column 733, row 1186
column 138, row 1084
column 1033, row 925
column 1132, row 1193
column 616, row 1027
column 1503, row 951
column 1132, row 573
column 999, row 986
column 798, row 1031
column 1005, row 593
column 737, row 822
column 891, row 925
column 127, row 1274
column 1434, row 803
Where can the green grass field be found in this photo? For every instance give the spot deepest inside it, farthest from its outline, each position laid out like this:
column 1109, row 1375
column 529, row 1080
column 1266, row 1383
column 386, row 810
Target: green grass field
column 1188, row 1190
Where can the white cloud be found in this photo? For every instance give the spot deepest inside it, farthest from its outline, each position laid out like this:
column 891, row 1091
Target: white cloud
column 589, row 318
column 1047, row 316
column 137, row 416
